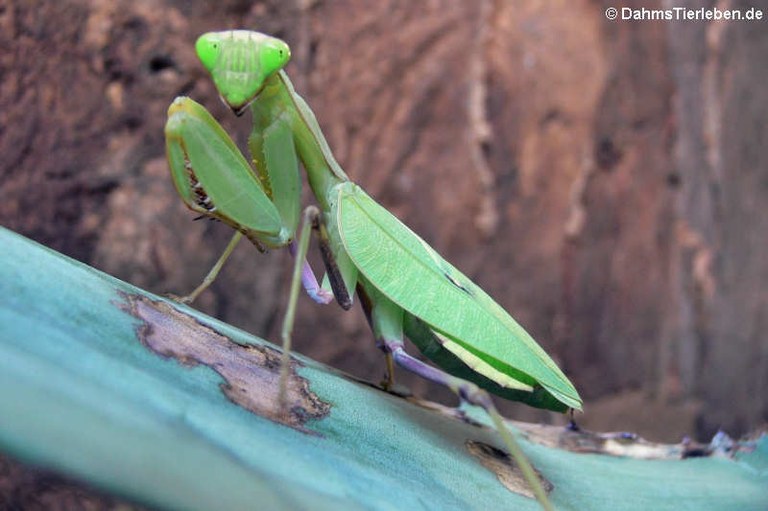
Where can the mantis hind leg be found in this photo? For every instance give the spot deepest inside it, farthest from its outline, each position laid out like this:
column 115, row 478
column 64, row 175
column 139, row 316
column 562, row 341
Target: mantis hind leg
column 386, row 320
column 388, row 383
column 473, row 395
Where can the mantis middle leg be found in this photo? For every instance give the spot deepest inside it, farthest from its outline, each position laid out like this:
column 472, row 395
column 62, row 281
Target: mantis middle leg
column 308, row 279
column 311, row 221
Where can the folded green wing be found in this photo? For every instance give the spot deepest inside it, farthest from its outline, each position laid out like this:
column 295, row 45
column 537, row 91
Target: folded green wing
column 410, row 273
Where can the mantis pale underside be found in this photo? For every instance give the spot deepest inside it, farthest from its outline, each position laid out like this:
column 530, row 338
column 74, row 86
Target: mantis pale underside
column 405, row 287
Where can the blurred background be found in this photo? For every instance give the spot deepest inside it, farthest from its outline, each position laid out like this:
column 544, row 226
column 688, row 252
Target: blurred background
column 605, row 181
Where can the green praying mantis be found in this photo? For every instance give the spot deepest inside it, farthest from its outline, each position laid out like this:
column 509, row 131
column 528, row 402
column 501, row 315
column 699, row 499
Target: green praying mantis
column 405, row 287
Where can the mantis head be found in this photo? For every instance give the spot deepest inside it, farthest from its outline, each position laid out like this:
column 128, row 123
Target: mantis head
column 240, row 62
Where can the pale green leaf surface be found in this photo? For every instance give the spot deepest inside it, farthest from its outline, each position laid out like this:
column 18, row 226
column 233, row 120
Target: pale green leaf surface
column 80, row 394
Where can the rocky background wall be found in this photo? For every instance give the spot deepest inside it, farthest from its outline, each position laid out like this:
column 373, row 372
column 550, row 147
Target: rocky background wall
column 606, row 181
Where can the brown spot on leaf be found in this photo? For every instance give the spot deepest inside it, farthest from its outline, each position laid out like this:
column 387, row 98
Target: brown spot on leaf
column 250, row 372
column 624, row 444
column 505, row 468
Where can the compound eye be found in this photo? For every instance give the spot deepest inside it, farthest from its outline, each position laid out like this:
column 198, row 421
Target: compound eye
column 208, row 47
column 275, row 54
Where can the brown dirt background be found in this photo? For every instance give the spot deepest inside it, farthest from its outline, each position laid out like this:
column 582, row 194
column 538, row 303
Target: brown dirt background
column 606, row 181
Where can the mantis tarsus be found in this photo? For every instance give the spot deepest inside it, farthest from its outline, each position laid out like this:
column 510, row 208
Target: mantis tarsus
column 406, row 288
